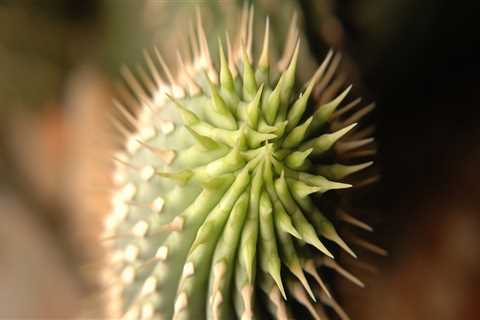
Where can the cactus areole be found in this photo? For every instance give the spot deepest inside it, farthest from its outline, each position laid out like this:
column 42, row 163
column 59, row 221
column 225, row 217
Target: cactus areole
column 213, row 214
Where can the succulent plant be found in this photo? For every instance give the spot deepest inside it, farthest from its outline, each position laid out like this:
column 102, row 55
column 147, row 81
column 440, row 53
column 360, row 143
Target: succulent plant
column 215, row 210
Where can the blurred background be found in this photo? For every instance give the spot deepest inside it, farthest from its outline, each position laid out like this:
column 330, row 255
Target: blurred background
column 60, row 61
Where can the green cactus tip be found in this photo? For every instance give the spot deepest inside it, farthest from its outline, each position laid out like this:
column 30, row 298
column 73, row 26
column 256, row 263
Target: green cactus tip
column 213, row 212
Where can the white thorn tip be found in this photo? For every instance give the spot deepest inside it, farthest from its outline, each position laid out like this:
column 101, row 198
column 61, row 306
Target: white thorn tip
column 128, row 192
column 162, row 253
column 188, row 270
column 147, row 133
column 128, row 275
column 149, row 286
column 167, row 127
column 131, row 253
column 120, row 211
column 157, row 204
column 147, row 173
column 140, row 229
column 132, row 145
column 181, row 302
column 148, row 310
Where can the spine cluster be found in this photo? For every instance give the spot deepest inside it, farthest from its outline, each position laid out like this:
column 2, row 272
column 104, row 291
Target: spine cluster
column 215, row 212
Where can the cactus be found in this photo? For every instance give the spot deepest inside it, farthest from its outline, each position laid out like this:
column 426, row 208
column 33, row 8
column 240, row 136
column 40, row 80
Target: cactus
column 214, row 212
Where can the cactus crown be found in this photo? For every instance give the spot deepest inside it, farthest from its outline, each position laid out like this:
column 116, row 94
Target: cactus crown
column 213, row 214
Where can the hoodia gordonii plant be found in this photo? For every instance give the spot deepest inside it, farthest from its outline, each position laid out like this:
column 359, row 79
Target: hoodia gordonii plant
column 214, row 212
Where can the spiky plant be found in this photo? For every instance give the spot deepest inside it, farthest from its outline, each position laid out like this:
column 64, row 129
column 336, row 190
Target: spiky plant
column 214, row 215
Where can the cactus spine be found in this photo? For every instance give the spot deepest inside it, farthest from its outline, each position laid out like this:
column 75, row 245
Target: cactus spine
column 213, row 214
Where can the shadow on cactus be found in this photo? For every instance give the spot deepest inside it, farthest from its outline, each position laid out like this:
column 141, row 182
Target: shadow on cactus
column 215, row 210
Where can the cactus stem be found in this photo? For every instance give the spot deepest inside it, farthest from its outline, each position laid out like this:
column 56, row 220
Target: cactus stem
column 220, row 206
